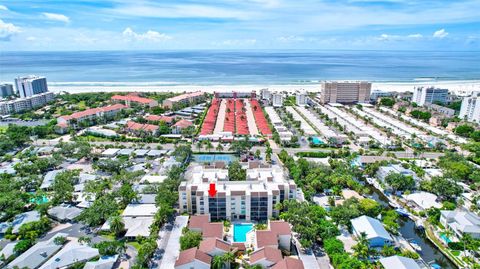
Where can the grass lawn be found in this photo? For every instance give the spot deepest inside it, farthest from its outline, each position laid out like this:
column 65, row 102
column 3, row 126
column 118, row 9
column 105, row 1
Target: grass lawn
column 134, row 244
column 455, row 252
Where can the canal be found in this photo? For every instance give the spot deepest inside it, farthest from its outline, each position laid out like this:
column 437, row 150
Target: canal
column 430, row 253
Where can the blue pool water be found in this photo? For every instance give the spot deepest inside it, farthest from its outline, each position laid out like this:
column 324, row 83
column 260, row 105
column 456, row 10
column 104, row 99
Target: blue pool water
column 316, row 140
column 240, row 231
column 208, row 158
column 445, row 238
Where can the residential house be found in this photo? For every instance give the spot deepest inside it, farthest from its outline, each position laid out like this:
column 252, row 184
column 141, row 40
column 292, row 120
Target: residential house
column 289, row 263
column 64, row 213
column 265, row 257
column 399, row 262
column 193, row 258
column 373, row 229
column 105, row 262
column 214, row 246
column 141, row 129
column 180, row 125
column 461, row 222
column 72, row 253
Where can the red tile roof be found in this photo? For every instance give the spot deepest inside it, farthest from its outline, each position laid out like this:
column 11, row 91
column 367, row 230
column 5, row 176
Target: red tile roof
column 93, row 111
column 211, row 117
column 132, row 98
column 210, row 244
column 280, row 227
column 214, row 230
column 131, row 125
column 159, row 118
column 289, row 263
column 266, row 238
column 239, row 246
column 189, row 255
column 197, row 221
column 271, row 254
column 183, row 124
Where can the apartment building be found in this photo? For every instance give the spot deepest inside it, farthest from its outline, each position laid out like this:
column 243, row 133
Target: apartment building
column 345, row 92
column 253, row 199
column 91, row 114
column 23, row 104
column 6, row 90
column 277, row 99
column 301, row 99
column 186, row 99
column 130, row 99
column 470, row 109
column 422, row 95
column 30, row 85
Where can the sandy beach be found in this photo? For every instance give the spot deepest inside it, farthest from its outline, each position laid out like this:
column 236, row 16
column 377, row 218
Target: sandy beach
column 459, row 87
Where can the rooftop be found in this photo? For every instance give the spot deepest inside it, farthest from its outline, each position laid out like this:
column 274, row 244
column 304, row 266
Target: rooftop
column 371, row 227
column 399, row 262
column 271, row 254
column 93, row 111
column 192, row 254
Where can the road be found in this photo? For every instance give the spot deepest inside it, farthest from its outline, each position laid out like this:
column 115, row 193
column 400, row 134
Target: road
column 168, row 244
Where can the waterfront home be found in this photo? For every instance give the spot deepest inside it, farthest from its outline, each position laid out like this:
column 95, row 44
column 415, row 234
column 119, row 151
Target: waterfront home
column 384, row 171
column 399, row 262
column 461, row 222
column 193, row 258
column 374, row 230
column 422, row 200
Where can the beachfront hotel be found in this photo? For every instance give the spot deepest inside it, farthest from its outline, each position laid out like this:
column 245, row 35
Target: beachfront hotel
column 470, row 109
column 345, row 92
column 254, row 199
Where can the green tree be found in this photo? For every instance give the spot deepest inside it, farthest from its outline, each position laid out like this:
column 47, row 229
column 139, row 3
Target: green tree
column 464, row 130
column 362, row 248
column 22, row 246
column 63, row 186
column 190, row 239
column 399, row 182
column 236, row 172
column 117, row 226
column 101, row 209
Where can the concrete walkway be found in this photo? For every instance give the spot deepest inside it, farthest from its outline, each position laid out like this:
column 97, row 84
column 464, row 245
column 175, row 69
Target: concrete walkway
column 220, row 122
column 252, row 126
column 169, row 243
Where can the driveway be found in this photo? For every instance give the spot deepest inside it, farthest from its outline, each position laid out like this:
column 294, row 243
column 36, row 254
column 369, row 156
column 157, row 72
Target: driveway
column 169, row 244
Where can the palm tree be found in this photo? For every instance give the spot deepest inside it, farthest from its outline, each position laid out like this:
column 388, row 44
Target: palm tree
column 219, row 147
column 209, row 145
column 361, row 249
column 116, row 225
column 228, row 258
column 217, row 262
column 199, row 145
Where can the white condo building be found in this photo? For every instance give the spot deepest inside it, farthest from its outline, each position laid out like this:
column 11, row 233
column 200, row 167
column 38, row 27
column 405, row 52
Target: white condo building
column 277, row 99
column 422, row 96
column 470, row 109
column 30, row 85
column 301, row 99
column 253, row 199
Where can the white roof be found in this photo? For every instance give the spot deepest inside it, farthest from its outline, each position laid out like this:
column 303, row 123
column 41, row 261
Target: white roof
column 399, row 262
column 125, row 152
column 141, row 152
column 153, row 179
column 135, row 226
column 65, row 212
column 373, row 228
column 140, row 210
column 7, row 251
column 37, row 254
column 72, row 252
column 304, row 125
column 105, row 262
column 49, row 178
column 110, row 152
column 423, row 199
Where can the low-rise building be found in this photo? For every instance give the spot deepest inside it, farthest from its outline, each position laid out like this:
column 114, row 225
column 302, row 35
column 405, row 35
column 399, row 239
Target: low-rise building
column 72, row 253
column 214, row 246
column 461, row 222
column 399, row 262
column 19, row 220
column 384, row 171
column 141, row 129
column 64, row 213
column 265, row 257
column 193, row 258
column 184, row 99
column 180, row 125
column 376, row 234
column 289, row 263
column 92, row 114
column 23, row 104
column 130, row 99
column 423, row 200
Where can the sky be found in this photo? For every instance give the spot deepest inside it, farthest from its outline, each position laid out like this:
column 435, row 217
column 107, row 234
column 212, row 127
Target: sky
column 62, row 25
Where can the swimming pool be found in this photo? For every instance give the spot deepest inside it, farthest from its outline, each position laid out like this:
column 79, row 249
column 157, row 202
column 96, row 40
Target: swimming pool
column 316, row 140
column 240, row 231
column 208, row 158
column 445, row 238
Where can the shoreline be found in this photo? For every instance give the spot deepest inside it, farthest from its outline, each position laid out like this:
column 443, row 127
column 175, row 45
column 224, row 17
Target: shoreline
column 464, row 87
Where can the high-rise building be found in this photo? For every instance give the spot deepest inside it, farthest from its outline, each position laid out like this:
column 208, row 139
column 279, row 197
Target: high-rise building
column 277, row 99
column 30, row 85
column 345, row 92
column 265, row 94
column 23, row 104
column 301, row 99
column 431, row 95
column 6, row 90
column 252, row 199
column 470, row 109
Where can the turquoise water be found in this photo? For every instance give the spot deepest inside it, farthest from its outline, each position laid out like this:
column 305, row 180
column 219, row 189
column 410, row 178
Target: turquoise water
column 316, row 140
column 208, row 158
column 445, row 238
column 240, row 231
column 39, row 200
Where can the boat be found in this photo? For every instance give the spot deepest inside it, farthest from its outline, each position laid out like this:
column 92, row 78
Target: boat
column 415, row 246
column 402, row 212
column 419, row 224
column 435, row 266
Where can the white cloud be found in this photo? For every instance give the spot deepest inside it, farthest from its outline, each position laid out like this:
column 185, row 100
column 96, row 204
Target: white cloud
column 149, row 35
column 290, row 38
column 2, row 7
column 7, row 30
column 415, row 36
column 440, row 34
column 56, row 17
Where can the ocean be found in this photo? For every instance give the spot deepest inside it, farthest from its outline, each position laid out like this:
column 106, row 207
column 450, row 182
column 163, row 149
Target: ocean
column 169, row 68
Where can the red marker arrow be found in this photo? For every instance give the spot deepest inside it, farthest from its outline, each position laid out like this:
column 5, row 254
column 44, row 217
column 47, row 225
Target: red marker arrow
column 212, row 191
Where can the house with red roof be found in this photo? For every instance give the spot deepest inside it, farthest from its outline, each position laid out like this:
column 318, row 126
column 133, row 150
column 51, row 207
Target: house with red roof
column 141, row 129
column 266, row 257
column 193, row 258
column 214, row 246
column 180, row 125
column 278, row 235
column 289, row 263
column 158, row 118
column 92, row 114
column 132, row 98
